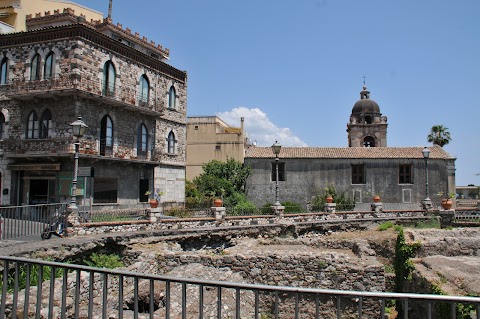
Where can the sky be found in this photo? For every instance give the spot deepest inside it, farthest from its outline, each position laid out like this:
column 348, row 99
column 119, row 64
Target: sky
column 294, row 68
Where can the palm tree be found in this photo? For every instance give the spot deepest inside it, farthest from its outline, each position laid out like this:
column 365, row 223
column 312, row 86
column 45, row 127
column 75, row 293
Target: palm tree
column 439, row 135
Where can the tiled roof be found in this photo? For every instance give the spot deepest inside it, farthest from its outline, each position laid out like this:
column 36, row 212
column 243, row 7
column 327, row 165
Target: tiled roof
column 436, row 152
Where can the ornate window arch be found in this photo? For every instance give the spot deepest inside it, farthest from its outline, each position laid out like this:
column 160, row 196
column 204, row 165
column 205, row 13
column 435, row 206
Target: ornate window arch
column 109, row 75
column 4, row 71
column 144, row 89
column 171, row 143
column 32, row 126
column 369, row 141
column 106, row 135
column 2, row 126
column 45, row 124
column 172, row 96
column 142, row 140
column 49, row 68
column 35, row 68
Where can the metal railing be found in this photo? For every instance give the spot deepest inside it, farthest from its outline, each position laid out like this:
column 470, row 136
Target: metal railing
column 29, row 220
column 73, row 291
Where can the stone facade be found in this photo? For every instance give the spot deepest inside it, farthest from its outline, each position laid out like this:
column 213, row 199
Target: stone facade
column 307, row 171
column 136, row 135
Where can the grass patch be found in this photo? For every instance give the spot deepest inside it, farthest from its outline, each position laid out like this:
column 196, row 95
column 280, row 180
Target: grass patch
column 99, row 260
column 386, row 225
column 431, row 223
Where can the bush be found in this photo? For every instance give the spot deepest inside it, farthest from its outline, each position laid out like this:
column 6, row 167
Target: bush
column 178, row 212
column 385, row 226
column 292, row 207
column 343, row 201
column 109, row 261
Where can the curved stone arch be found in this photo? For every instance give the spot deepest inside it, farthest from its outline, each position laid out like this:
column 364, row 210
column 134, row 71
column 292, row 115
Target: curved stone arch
column 28, row 70
column 369, row 141
column 98, row 126
column 175, row 135
column 177, row 89
column 150, row 137
column 11, row 64
column 58, row 54
column 6, row 116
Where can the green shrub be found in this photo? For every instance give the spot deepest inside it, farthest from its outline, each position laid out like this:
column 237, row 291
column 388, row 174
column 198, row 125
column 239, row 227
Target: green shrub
column 343, row 201
column 99, row 260
column 292, row 207
column 385, row 226
column 431, row 223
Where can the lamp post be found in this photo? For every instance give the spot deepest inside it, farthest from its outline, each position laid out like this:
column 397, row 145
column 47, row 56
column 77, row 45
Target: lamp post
column 276, row 150
column 427, row 203
column 78, row 128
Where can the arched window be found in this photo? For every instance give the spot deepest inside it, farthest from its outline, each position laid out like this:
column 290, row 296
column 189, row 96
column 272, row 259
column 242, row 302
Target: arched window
column 144, row 89
column 106, row 136
column 108, row 88
column 171, row 97
column 45, row 124
column 142, row 140
column 369, row 141
column 4, row 71
column 2, row 125
column 35, row 68
column 32, row 126
column 368, row 119
column 49, row 66
column 171, row 143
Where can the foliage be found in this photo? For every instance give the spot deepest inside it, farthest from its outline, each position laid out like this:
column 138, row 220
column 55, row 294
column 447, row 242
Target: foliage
column 292, row 207
column 402, row 264
column 450, row 195
column 343, row 201
column 385, row 226
column 219, row 179
column 110, row 261
column 178, row 212
column 222, row 178
column 443, row 309
column 34, row 276
column 155, row 194
column 431, row 223
column 439, row 135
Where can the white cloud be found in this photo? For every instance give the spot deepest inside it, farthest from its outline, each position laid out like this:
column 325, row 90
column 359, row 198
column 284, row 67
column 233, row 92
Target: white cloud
column 259, row 128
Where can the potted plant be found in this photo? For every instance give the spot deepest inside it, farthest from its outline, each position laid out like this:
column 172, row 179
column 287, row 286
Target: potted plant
column 376, row 198
column 447, row 202
column 155, row 197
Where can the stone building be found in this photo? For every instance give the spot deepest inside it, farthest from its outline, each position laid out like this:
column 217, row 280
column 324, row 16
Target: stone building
column 364, row 169
column 133, row 102
column 210, row 138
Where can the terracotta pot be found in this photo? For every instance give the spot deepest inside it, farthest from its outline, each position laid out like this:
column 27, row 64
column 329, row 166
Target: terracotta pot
column 217, row 202
column 329, row 199
column 376, row 199
column 153, row 203
column 447, row 203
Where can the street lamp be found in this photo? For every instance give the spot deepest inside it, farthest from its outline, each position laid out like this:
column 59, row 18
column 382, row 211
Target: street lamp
column 426, row 202
column 78, row 128
column 276, row 150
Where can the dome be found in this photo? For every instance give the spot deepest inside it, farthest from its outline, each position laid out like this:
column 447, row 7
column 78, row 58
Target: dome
column 365, row 105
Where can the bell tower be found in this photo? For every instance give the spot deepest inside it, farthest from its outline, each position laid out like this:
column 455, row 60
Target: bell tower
column 367, row 127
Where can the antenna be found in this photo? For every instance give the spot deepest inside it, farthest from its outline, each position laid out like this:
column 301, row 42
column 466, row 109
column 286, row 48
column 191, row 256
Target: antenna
column 110, row 10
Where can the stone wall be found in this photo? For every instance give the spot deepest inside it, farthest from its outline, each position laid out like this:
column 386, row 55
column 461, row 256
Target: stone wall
column 305, row 178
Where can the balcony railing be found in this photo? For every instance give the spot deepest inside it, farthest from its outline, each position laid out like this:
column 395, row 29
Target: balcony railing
column 38, row 146
column 127, row 96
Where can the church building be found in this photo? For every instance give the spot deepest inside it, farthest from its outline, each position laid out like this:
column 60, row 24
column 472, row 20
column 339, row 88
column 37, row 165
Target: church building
column 365, row 168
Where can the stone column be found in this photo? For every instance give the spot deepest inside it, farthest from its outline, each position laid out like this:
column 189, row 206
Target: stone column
column 278, row 210
column 377, row 207
column 153, row 214
column 446, row 217
column 329, row 207
column 218, row 212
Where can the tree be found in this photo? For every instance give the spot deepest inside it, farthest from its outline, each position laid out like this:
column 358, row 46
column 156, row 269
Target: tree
column 224, row 179
column 439, row 135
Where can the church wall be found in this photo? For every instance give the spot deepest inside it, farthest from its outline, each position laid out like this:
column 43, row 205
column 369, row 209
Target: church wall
column 306, row 178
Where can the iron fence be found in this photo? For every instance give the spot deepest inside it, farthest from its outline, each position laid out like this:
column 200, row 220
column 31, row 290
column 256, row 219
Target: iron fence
column 35, row 288
column 29, row 220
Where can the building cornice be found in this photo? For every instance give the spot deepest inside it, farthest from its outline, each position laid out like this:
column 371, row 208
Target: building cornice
column 87, row 33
